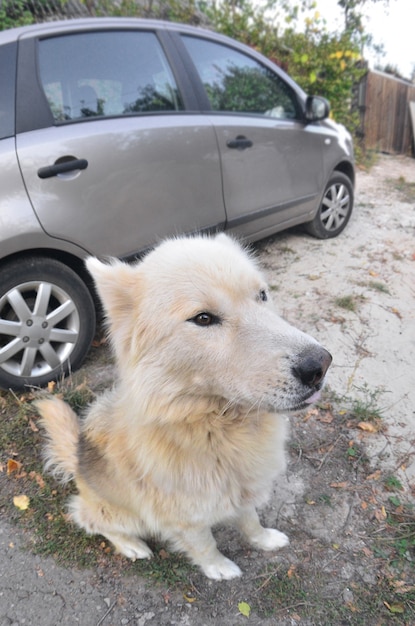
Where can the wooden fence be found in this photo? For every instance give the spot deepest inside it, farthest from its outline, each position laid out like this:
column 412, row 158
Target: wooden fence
column 383, row 102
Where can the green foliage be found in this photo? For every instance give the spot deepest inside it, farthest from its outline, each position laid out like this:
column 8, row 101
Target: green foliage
column 322, row 63
column 14, row 13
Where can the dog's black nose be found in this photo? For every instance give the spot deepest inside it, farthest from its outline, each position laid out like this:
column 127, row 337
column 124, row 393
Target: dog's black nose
column 312, row 366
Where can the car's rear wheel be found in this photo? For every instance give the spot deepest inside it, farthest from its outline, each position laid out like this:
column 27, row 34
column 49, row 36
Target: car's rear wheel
column 335, row 208
column 47, row 321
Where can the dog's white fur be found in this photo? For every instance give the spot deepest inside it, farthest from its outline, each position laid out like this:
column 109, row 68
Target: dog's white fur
column 193, row 432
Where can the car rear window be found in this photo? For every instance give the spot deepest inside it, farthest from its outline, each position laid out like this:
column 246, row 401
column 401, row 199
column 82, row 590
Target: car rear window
column 7, row 89
column 99, row 74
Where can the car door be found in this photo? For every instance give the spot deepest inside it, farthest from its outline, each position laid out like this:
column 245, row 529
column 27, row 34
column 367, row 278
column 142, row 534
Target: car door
column 121, row 162
column 271, row 160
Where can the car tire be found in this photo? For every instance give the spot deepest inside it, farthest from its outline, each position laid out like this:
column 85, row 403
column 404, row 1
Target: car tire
column 47, row 321
column 335, row 208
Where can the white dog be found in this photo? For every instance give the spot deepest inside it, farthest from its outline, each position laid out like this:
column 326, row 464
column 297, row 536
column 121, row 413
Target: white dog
column 193, row 432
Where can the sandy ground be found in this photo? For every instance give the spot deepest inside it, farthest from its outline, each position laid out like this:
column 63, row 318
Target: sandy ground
column 331, row 505
column 374, row 262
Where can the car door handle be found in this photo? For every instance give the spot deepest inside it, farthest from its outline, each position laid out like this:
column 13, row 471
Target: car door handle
column 239, row 143
column 61, row 167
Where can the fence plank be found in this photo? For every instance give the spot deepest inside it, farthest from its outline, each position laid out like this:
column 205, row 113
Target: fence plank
column 384, row 110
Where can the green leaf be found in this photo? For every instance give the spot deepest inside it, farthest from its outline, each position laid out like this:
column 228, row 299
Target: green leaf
column 244, row 609
column 395, row 501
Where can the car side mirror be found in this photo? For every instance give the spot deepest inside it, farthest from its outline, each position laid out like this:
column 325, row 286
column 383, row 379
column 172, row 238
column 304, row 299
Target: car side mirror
column 316, row 108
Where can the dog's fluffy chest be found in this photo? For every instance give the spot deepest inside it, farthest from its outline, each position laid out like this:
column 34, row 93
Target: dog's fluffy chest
column 236, row 459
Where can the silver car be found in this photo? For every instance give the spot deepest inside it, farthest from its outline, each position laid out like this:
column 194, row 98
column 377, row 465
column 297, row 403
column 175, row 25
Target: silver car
column 115, row 133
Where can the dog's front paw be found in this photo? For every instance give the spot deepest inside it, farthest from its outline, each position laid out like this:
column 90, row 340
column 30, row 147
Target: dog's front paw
column 133, row 549
column 222, row 569
column 270, row 539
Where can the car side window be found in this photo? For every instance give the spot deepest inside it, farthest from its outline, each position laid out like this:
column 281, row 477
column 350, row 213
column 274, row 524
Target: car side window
column 235, row 82
column 108, row 73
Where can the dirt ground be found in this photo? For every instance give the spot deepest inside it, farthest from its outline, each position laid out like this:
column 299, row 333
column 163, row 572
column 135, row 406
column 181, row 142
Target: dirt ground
column 347, row 499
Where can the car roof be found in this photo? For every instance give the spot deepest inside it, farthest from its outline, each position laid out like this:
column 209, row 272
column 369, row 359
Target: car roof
column 49, row 28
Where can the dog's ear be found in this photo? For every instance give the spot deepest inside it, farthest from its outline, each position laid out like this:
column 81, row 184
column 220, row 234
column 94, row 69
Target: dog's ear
column 119, row 286
column 116, row 283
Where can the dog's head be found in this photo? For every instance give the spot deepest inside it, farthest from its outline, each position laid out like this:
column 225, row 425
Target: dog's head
column 194, row 320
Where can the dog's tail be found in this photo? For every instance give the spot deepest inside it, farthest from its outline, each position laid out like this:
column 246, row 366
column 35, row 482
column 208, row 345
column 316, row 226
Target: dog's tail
column 62, row 431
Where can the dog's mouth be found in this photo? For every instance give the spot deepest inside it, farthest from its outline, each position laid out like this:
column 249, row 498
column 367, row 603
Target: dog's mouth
column 308, row 401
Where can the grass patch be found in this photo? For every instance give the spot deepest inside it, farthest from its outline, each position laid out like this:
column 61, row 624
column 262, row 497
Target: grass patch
column 406, row 189
column 365, row 407
column 291, row 594
column 392, row 483
column 286, row 249
column 396, row 543
column 349, row 303
column 378, row 286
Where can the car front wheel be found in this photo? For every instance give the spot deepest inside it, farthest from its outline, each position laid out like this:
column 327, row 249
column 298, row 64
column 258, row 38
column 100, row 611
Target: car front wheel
column 47, row 321
column 335, row 209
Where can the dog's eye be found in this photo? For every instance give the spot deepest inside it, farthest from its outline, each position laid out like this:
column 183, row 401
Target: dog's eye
column 205, row 319
column 263, row 296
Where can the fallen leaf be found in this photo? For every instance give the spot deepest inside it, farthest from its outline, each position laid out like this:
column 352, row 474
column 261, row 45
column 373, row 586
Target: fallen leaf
column 51, row 386
column 291, row 572
column 407, row 589
column 326, row 417
column 396, row 312
column 33, row 426
column 372, row 273
column 374, row 476
column 364, row 505
column 368, row 427
column 343, row 485
column 244, row 609
column 189, row 597
column 163, row 554
column 13, row 466
column 21, row 502
column 337, row 319
column 38, row 478
column 402, row 586
column 99, row 342
column 394, row 607
column 380, row 514
column 311, row 413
